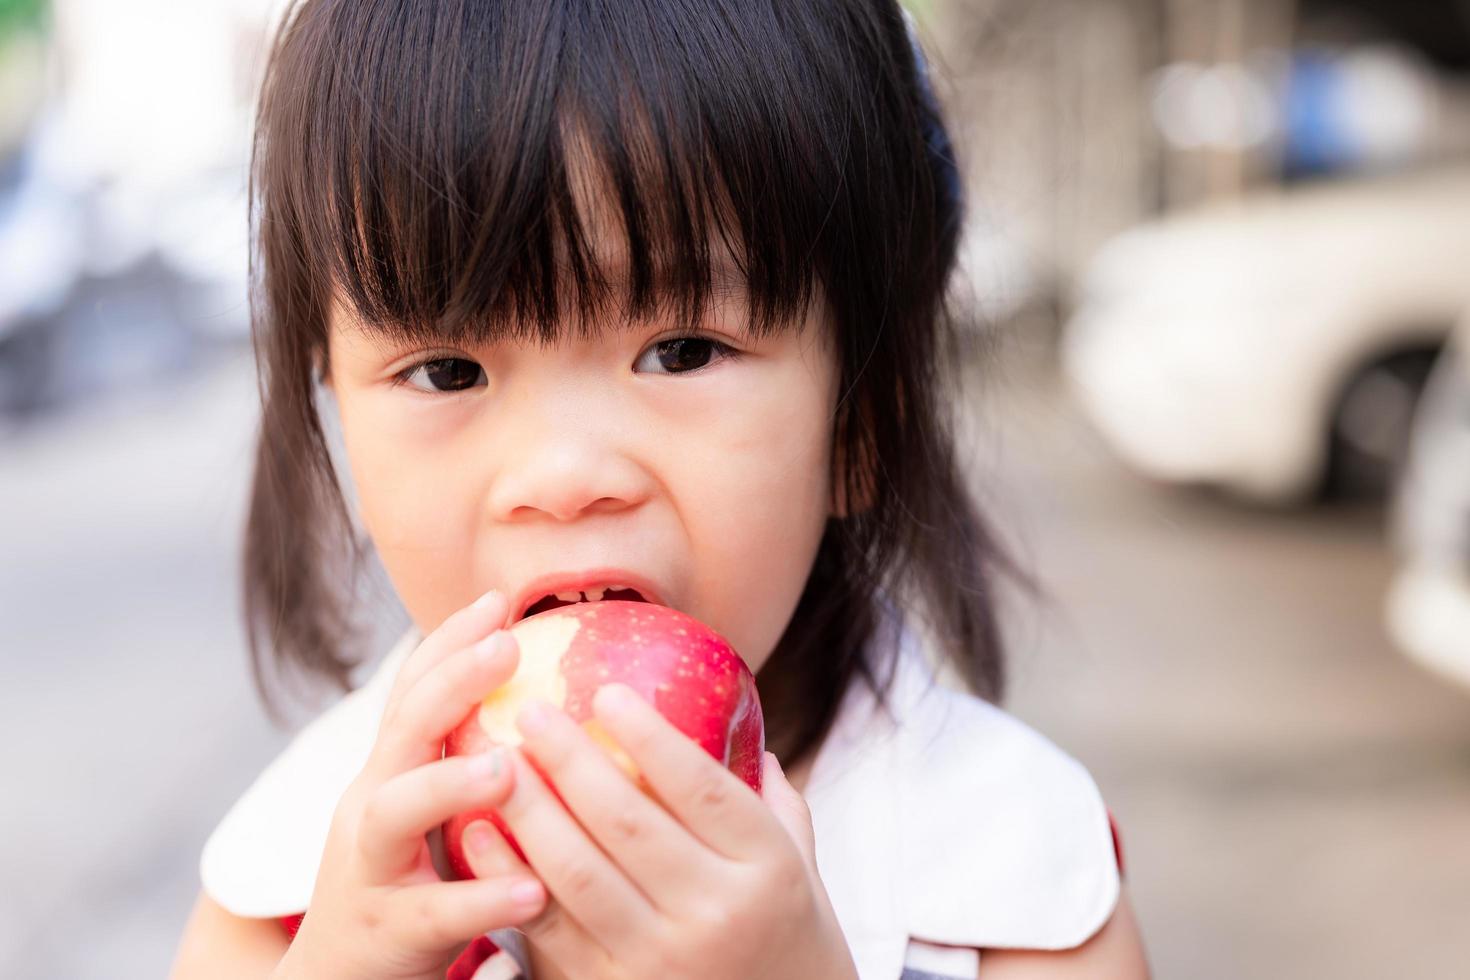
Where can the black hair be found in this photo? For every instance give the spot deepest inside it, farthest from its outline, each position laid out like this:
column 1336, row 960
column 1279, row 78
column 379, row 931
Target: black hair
column 420, row 160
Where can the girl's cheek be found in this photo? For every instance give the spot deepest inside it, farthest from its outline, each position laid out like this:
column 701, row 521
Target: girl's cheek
column 403, row 417
column 768, row 505
column 402, row 458
column 422, row 523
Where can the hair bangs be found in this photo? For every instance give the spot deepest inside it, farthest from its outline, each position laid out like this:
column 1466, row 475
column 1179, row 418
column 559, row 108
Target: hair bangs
column 508, row 169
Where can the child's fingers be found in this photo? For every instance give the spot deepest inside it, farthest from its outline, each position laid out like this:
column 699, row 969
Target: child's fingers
column 553, row 930
column 402, row 810
column 442, row 914
column 790, row 808
column 461, row 629
column 661, row 857
column 558, row 934
column 488, row 852
column 708, row 799
column 413, row 733
column 583, row 881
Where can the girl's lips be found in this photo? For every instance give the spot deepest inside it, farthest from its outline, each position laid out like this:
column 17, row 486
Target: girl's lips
column 568, row 583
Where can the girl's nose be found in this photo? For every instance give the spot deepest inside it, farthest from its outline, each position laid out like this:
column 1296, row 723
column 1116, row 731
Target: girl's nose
column 565, row 475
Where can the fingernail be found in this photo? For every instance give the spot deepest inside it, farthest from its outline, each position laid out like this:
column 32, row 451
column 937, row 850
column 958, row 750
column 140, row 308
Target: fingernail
column 488, row 765
column 534, row 717
column 526, row 892
column 616, row 698
column 488, row 598
column 478, row 838
column 491, row 645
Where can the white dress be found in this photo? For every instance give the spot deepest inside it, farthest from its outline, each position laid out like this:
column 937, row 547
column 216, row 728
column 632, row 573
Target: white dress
column 943, row 828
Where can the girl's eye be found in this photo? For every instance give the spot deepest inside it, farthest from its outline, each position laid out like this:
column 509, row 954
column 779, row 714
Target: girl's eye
column 681, row 355
column 444, row 374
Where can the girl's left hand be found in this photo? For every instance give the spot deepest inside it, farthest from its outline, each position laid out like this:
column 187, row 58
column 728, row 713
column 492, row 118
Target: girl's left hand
column 715, row 883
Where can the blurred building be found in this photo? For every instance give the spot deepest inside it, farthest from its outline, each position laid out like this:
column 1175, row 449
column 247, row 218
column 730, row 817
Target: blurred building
column 1082, row 118
column 124, row 133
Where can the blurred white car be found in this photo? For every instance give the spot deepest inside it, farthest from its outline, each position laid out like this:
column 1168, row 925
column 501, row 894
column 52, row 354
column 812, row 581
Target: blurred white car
column 1429, row 602
column 1264, row 346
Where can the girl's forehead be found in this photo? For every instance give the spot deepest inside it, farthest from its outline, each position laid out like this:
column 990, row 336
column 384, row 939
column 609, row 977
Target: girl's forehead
column 596, row 272
column 613, row 248
column 727, row 302
column 348, row 332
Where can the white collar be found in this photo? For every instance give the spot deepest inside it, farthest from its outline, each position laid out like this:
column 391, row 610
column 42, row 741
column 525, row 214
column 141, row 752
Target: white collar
column 947, row 821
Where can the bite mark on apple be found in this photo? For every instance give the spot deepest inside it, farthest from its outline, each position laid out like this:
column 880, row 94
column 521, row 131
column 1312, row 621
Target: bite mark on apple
column 542, row 643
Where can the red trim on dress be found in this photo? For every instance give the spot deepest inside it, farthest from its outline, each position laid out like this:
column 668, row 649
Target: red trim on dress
column 1117, row 843
column 469, row 961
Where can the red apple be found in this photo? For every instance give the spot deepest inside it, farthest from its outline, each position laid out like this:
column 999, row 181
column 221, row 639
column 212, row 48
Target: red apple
column 679, row 665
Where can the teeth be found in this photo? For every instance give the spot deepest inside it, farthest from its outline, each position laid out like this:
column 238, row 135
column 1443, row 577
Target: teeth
column 590, row 595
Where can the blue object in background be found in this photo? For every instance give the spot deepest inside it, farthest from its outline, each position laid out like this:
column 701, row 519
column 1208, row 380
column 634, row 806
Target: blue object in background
column 1316, row 140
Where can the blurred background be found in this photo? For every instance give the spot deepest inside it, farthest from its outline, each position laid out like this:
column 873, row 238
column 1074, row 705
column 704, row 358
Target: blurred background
column 1216, row 276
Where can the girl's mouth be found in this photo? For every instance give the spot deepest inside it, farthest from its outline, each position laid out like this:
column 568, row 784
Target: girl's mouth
column 556, row 600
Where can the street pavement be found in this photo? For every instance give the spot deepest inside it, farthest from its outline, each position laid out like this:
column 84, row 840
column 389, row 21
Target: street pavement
column 1293, row 795
column 127, row 711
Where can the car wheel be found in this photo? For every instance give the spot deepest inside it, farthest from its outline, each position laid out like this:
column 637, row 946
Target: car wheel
column 1369, row 436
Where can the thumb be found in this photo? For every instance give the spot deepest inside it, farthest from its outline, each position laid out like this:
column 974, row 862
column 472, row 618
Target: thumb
column 789, row 807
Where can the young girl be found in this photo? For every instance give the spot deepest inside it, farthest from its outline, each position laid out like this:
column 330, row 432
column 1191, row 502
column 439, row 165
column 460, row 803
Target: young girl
column 644, row 295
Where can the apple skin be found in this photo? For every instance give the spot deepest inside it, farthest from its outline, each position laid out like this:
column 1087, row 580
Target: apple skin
column 686, row 670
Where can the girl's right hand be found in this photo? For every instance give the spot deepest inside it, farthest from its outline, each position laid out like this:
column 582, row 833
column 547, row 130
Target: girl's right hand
column 379, row 909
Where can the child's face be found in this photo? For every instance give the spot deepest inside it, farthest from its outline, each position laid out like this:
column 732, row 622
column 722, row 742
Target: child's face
column 678, row 468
